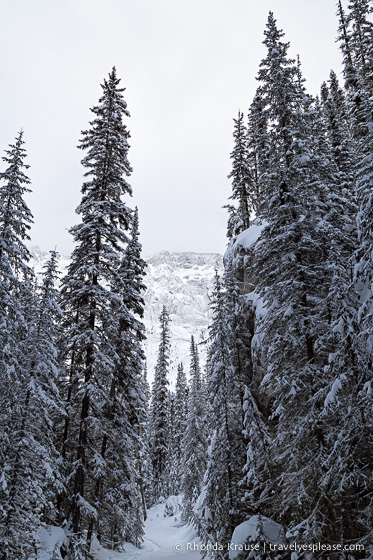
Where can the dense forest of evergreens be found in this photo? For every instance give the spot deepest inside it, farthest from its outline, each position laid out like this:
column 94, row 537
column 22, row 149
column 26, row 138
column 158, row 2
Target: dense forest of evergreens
column 278, row 425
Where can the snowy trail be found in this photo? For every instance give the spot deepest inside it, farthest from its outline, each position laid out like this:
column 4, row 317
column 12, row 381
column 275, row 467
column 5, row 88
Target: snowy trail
column 162, row 535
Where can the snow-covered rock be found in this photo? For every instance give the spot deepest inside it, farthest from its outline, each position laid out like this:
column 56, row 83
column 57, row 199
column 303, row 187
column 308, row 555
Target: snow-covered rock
column 250, row 236
column 182, row 282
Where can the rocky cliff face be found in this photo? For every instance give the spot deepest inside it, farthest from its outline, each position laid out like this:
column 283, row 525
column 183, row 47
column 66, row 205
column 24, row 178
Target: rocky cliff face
column 182, row 282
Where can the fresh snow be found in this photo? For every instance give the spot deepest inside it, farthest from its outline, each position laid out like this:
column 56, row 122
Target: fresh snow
column 255, row 529
column 183, row 282
column 257, row 303
column 51, row 538
column 249, row 236
column 162, row 534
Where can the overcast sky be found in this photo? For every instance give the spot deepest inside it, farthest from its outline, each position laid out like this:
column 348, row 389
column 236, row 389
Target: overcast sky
column 187, row 66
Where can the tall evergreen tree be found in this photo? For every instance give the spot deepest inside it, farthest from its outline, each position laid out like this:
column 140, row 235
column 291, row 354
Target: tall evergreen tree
column 222, row 496
column 361, row 40
column 290, row 258
column 160, row 409
column 20, row 511
column 240, row 175
column 181, row 422
column 257, row 141
column 195, row 437
column 93, row 311
column 353, row 402
column 173, row 486
column 126, row 405
column 338, row 127
column 144, row 459
column 15, row 274
column 344, row 38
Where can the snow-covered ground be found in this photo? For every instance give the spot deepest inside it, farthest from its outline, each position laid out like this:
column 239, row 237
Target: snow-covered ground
column 164, row 539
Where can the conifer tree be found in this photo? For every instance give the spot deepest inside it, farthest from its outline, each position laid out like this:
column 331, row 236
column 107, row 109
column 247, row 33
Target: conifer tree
column 195, row 437
column 238, row 333
column 338, row 126
column 181, row 423
column 173, row 485
column 258, row 148
column 32, row 474
column 144, row 459
column 222, row 496
column 94, row 317
column 351, row 394
column 290, row 258
column 125, row 408
column 160, row 409
column 15, row 274
column 20, row 510
column 344, row 38
column 360, row 29
column 240, row 216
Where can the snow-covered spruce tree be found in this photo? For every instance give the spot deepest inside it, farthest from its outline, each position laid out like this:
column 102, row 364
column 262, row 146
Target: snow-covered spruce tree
column 360, row 42
column 43, row 407
column 118, row 482
column 360, row 29
column 238, row 332
column 346, row 416
column 20, row 494
column 93, row 315
column 222, row 497
column 290, row 268
column 195, row 437
column 132, row 362
column 15, row 274
column 343, row 421
column 343, row 159
column 355, row 37
column 181, row 422
column 344, row 38
column 144, row 459
column 257, row 147
column 239, row 216
column 160, row 410
column 351, row 393
column 338, row 127
column 177, row 422
column 172, row 463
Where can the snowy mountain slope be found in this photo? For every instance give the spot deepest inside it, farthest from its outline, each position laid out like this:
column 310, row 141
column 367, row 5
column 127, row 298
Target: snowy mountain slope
column 182, row 282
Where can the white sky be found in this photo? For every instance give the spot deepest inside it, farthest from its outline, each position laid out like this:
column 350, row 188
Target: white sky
column 187, row 66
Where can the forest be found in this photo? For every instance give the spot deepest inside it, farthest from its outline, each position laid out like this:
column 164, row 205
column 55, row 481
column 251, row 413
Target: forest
column 276, row 430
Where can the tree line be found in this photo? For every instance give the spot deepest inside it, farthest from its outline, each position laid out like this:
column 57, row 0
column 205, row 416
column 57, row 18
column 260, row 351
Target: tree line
column 279, row 423
column 73, row 392
column 290, row 358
